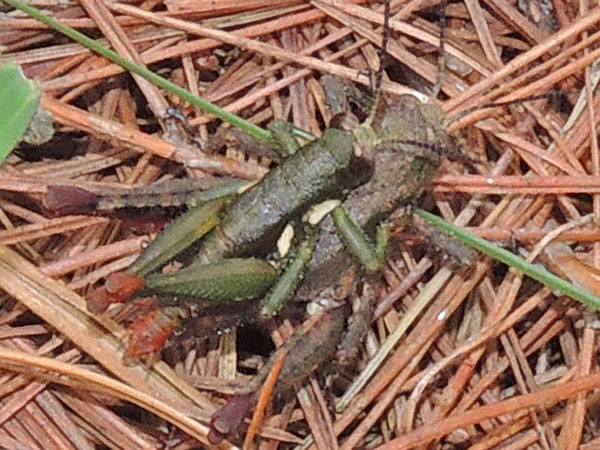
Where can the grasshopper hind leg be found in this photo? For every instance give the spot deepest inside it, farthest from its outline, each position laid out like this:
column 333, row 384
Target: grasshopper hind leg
column 179, row 235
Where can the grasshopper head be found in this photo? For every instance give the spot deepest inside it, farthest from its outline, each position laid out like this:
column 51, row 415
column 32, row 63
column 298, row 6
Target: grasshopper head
column 416, row 129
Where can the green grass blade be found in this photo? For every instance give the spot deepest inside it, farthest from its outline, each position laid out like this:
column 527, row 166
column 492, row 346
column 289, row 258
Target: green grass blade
column 210, row 108
column 19, row 98
column 534, row 271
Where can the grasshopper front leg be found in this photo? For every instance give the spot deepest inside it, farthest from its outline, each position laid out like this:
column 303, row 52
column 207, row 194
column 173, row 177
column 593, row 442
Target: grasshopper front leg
column 285, row 287
column 356, row 242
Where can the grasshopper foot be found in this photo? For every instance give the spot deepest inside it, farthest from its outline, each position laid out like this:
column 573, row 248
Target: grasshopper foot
column 148, row 335
column 225, row 423
column 119, row 288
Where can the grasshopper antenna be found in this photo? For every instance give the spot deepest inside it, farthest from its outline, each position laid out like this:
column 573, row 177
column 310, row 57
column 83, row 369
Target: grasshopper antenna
column 554, row 94
column 382, row 52
column 441, row 54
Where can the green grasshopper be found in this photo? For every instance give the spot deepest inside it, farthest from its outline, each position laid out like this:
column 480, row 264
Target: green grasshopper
column 381, row 164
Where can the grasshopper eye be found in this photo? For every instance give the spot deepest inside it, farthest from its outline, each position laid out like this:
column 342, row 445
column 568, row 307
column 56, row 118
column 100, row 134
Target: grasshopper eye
column 344, row 121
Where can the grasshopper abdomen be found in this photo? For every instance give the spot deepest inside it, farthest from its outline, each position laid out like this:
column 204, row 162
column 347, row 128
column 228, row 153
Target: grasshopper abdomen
column 322, row 169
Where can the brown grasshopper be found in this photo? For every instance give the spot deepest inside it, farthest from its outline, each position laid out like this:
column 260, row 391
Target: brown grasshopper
column 401, row 172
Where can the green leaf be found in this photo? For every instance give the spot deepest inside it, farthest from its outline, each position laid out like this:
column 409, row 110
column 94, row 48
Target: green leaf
column 19, row 99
